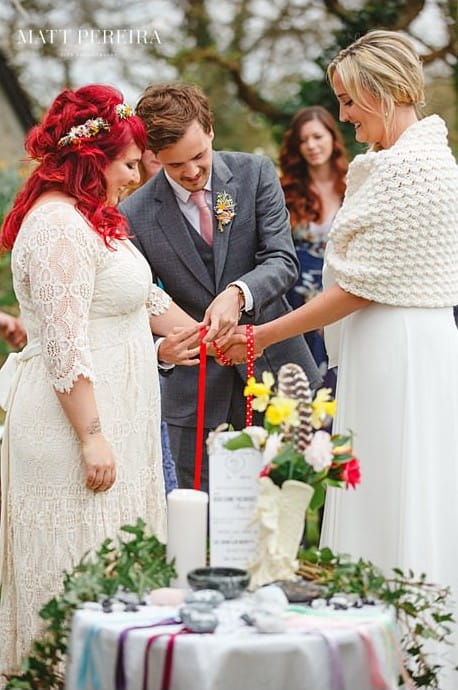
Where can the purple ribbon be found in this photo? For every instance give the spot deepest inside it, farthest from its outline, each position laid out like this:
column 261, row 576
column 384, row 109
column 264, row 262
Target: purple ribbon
column 120, row 674
column 337, row 676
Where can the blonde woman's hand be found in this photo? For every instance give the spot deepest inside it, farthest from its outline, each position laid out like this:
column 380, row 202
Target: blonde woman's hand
column 99, row 463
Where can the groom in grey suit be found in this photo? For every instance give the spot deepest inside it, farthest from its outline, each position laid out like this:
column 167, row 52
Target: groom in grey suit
column 242, row 272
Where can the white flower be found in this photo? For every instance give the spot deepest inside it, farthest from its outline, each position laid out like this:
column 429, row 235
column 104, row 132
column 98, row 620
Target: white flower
column 319, row 452
column 257, row 434
column 274, row 445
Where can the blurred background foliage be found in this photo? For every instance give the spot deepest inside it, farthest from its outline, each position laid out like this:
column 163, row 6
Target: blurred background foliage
column 10, row 181
column 258, row 60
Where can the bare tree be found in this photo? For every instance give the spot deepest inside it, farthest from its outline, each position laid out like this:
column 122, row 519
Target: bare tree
column 258, row 49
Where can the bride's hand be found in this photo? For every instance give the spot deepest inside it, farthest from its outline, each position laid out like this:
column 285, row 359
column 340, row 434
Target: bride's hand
column 99, row 463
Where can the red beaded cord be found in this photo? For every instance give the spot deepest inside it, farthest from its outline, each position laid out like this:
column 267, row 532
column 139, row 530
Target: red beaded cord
column 221, row 356
column 249, row 371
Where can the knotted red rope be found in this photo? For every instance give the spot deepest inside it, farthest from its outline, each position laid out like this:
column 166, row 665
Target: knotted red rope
column 200, row 424
column 200, row 410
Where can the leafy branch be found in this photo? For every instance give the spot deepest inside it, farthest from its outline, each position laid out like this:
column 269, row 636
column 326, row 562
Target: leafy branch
column 423, row 609
column 136, row 563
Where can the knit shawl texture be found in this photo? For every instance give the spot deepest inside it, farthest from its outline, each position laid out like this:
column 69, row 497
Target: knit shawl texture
column 395, row 238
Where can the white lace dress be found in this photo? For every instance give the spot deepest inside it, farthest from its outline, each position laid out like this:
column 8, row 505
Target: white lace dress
column 84, row 310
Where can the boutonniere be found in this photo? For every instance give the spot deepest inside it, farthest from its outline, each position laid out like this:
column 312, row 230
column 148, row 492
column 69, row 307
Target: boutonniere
column 224, row 209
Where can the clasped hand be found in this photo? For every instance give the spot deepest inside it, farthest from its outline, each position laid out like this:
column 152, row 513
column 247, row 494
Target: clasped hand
column 182, row 346
column 234, row 348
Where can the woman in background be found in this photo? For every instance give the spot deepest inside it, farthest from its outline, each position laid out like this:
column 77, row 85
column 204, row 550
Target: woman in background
column 313, row 164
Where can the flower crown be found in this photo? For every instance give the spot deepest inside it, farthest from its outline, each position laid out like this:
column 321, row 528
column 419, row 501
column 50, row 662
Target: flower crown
column 92, row 127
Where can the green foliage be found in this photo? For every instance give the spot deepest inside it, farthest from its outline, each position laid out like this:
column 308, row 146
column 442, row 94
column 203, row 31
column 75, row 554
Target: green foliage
column 7, row 297
column 136, row 563
column 423, row 609
column 354, row 23
column 10, row 181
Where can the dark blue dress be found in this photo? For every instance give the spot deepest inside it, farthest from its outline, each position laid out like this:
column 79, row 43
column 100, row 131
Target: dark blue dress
column 310, row 242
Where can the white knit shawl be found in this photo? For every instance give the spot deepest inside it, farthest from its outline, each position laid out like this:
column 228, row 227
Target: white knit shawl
column 395, row 238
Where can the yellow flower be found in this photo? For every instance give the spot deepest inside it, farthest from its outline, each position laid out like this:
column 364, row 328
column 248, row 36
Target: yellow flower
column 282, row 411
column 261, row 391
column 322, row 408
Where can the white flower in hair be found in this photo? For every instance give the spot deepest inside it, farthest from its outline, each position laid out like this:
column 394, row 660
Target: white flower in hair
column 123, row 111
column 87, row 130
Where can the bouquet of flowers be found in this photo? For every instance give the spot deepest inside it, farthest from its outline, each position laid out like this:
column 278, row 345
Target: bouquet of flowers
column 294, row 443
column 300, row 459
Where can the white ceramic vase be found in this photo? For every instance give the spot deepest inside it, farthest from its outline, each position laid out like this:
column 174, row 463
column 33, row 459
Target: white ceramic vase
column 280, row 512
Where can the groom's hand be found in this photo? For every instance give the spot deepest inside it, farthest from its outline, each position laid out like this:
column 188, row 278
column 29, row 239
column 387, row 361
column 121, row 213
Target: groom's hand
column 222, row 315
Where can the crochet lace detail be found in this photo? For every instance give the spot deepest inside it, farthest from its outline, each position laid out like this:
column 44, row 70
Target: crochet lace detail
column 395, row 239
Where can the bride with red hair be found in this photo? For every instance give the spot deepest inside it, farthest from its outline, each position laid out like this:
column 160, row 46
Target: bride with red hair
column 81, row 454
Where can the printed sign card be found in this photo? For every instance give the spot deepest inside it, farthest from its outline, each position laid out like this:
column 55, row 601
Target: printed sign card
column 233, row 476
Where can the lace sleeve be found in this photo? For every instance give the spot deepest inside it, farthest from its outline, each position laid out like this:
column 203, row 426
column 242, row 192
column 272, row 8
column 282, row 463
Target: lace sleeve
column 158, row 301
column 62, row 267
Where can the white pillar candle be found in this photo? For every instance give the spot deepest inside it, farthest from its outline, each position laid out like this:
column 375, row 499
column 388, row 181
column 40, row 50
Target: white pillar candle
column 187, row 531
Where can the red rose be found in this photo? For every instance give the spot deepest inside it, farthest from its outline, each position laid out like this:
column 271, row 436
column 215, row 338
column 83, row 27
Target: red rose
column 266, row 470
column 351, row 473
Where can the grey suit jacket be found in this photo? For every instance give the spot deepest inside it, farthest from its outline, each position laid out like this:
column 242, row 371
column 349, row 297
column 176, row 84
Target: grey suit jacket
column 255, row 247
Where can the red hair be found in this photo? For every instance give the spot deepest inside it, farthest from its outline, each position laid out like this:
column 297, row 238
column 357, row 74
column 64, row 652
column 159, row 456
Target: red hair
column 77, row 169
column 304, row 204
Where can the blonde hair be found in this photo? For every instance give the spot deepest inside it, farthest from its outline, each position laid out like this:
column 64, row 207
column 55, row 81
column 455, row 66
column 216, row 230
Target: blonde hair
column 385, row 65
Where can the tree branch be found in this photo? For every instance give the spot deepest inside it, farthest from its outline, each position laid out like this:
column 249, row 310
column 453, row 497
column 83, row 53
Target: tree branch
column 411, row 10
column 246, row 93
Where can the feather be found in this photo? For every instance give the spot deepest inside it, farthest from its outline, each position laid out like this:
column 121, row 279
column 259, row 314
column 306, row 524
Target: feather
column 293, row 383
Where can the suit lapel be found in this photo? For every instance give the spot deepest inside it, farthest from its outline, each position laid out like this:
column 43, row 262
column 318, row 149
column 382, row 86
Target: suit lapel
column 173, row 226
column 222, row 181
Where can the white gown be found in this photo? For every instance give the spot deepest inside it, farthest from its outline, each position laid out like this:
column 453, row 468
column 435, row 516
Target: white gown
column 397, row 390
column 84, row 310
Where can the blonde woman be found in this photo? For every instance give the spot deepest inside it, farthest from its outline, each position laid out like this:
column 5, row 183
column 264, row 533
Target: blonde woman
column 391, row 277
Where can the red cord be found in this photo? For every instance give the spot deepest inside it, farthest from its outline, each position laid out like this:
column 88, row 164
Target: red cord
column 200, row 410
column 201, row 394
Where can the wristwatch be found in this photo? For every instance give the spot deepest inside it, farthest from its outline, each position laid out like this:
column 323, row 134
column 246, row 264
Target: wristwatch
column 241, row 297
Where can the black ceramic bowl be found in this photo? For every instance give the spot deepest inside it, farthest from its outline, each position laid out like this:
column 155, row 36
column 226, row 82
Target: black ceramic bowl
column 229, row 581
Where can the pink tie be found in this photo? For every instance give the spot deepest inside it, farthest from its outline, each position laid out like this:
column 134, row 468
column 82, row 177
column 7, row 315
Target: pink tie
column 205, row 218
